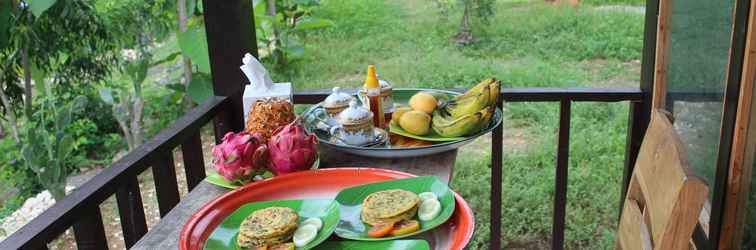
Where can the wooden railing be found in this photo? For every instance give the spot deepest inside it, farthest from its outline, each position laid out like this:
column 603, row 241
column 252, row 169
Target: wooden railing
column 565, row 97
column 80, row 209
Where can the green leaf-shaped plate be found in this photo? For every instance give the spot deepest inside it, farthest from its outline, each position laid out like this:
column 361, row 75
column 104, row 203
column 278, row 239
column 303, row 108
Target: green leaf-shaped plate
column 432, row 136
column 218, row 180
column 224, row 236
column 375, row 245
column 350, row 199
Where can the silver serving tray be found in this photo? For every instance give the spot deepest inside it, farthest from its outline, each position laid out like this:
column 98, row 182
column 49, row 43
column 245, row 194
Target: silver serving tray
column 313, row 116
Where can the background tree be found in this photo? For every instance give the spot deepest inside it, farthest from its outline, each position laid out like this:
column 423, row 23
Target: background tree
column 46, row 39
column 137, row 26
column 483, row 9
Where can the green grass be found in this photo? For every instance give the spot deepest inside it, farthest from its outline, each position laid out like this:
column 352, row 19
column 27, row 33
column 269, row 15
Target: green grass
column 528, row 43
column 615, row 2
column 409, row 43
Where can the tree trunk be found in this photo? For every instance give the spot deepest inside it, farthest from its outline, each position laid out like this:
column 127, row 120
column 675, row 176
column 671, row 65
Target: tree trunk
column 9, row 113
column 27, row 81
column 278, row 52
column 136, row 121
column 464, row 36
column 182, row 20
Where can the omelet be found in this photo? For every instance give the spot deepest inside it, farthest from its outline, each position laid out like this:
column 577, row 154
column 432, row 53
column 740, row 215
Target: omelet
column 370, row 219
column 247, row 242
column 268, row 226
column 389, row 206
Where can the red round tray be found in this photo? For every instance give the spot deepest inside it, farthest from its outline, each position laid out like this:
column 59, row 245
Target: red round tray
column 324, row 183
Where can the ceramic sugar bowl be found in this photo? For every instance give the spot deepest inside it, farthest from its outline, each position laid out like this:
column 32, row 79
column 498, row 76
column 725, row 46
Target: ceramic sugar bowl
column 337, row 101
column 355, row 126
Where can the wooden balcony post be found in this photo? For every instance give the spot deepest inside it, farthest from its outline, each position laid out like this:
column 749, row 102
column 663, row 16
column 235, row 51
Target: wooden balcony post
column 230, row 30
column 640, row 112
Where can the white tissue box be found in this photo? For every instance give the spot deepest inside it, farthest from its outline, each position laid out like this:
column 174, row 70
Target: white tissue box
column 281, row 90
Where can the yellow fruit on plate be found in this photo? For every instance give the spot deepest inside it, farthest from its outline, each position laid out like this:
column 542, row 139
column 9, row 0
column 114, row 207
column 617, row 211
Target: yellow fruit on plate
column 415, row 122
column 398, row 112
column 423, row 101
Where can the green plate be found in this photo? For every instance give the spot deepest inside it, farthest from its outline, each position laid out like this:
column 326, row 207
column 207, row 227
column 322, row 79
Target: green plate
column 375, row 245
column 218, row 180
column 350, row 199
column 224, row 236
column 432, row 136
column 403, row 98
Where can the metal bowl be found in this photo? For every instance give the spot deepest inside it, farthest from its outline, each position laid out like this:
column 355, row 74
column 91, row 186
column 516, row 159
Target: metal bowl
column 315, row 117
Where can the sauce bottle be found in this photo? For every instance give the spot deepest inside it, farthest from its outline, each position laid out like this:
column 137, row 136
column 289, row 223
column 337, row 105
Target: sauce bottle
column 373, row 93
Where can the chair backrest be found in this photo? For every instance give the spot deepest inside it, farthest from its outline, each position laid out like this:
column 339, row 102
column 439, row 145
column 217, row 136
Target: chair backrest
column 664, row 198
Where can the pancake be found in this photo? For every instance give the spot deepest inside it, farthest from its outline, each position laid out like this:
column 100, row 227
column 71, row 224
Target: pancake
column 269, row 222
column 389, row 203
column 247, row 242
column 371, row 220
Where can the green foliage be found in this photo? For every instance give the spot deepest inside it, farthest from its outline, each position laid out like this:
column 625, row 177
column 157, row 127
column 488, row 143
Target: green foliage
column 483, row 9
column 48, row 144
column 40, row 6
column 279, row 36
column 5, row 19
column 53, row 34
column 13, row 174
column 201, row 87
column 193, row 44
column 136, row 22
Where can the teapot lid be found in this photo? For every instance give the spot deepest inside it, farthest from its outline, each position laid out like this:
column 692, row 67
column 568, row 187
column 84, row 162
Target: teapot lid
column 355, row 114
column 337, row 98
column 385, row 85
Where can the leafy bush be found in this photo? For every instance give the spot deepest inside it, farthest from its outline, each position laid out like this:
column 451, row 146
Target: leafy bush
column 91, row 128
column 279, row 36
column 13, row 174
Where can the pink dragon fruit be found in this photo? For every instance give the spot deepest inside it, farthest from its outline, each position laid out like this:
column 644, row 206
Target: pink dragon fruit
column 240, row 156
column 291, row 149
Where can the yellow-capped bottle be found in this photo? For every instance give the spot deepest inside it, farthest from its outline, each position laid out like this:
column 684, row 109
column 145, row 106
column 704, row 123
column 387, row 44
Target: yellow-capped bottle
column 373, row 94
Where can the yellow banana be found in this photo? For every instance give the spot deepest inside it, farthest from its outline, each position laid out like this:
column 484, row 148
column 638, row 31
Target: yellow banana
column 469, row 103
column 478, row 87
column 495, row 92
column 462, row 126
column 494, row 87
column 486, row 116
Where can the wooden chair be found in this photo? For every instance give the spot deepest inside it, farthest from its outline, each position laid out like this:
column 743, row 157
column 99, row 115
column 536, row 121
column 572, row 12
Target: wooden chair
column 664, row 198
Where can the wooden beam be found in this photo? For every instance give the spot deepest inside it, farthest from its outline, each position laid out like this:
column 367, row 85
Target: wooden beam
column 230, row 29
column 662, row 43
column 730, row 113
column 743, row 146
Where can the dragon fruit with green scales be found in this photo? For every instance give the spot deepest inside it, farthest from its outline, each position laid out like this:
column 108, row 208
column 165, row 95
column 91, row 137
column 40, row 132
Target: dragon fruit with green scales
column 240, row 156
column 291, row 149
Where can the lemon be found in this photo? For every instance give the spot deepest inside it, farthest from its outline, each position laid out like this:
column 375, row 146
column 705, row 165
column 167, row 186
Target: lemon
column 313, row 221
column 415, row 122
column 423, row 101
column 304, row 235
column 429, row 209
column 427, row 196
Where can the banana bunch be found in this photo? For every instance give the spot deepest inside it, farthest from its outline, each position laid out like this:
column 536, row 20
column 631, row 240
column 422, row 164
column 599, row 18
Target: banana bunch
column 468, row 113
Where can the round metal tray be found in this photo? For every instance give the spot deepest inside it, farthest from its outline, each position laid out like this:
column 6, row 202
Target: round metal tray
column 400, row 96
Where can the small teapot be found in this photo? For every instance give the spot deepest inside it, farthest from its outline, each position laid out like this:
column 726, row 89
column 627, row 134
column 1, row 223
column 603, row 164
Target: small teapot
column 337, row 101
column 355, row 126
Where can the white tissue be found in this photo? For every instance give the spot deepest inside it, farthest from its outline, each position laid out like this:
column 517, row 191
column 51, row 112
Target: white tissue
column 259, row 78
column 261, row 86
